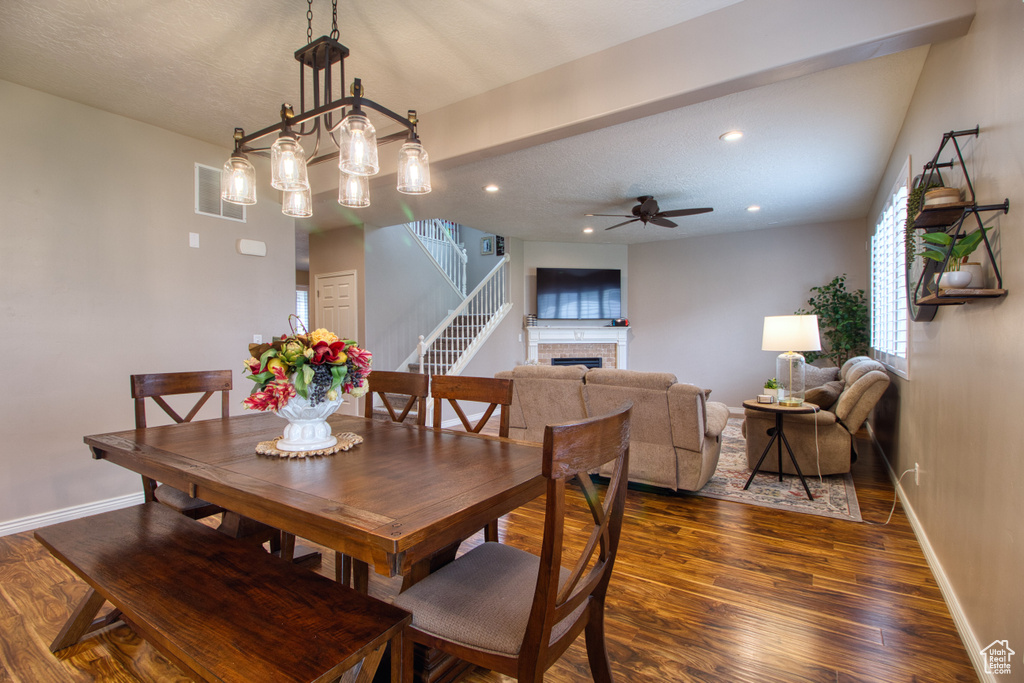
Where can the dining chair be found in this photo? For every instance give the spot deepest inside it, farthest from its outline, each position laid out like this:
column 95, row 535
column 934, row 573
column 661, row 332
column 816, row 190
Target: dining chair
column 492, row 391
column 156, row 386
column 388, row 385
column 513, row 612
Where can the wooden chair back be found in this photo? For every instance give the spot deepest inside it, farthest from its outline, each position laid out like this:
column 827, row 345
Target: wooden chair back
column 571, row 451
column 157, row 385
column 454, row 388
column 413, row 385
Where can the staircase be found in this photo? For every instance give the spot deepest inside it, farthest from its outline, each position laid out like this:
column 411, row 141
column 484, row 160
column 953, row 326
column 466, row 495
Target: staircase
column 453, row 343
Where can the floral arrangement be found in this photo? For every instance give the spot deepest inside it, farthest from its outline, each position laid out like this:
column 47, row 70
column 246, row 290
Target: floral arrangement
column 313, row 365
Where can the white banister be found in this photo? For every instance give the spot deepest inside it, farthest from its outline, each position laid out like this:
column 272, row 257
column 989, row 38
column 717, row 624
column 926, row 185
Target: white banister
column 436, row 239
column 458, row 337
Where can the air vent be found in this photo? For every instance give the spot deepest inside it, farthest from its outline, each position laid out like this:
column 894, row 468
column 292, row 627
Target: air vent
column 208, row 201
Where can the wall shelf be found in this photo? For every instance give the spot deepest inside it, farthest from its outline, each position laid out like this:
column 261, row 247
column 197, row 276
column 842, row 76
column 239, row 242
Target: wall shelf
column 950, row 218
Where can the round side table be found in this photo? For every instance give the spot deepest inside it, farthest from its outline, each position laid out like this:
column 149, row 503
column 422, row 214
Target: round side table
column 779, row 436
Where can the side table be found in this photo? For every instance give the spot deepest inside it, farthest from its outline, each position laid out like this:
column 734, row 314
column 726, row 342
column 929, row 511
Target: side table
column 779, row 436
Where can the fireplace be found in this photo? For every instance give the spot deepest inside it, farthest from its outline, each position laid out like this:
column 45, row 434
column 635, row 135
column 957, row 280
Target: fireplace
column 590, row 361
column 547, row 344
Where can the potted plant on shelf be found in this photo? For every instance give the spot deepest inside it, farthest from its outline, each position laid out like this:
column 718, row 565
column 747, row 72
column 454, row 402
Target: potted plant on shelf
column 940, row 244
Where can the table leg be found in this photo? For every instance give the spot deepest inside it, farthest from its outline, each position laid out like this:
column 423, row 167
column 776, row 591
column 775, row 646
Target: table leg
column 81, row 621
column 764, row 454
column 795, row 464
column 779, row 438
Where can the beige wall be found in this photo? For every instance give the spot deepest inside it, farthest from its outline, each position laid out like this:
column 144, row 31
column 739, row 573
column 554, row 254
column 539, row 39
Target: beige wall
column 959, row 414
column 697, row 305
column 98, row 282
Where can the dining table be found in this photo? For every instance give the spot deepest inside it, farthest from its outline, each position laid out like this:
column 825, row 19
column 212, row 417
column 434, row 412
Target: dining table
column 393, row 501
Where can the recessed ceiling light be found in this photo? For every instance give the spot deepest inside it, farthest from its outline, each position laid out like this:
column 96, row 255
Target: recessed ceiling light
column 491, row 188
column 753, row 208
column 731, row 135
column 588, row 230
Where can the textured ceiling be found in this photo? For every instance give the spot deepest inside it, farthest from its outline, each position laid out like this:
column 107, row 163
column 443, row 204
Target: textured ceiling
column 817, row 138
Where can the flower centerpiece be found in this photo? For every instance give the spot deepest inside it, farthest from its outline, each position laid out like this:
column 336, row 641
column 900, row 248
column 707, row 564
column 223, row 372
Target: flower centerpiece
column 303, row 377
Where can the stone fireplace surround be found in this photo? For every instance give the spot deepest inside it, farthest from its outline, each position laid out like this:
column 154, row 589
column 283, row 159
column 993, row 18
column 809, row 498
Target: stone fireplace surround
column 611, row 344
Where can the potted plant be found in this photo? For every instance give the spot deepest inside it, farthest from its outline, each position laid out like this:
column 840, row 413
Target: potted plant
column 940, row 244
column 842, row 319
column 771, row 387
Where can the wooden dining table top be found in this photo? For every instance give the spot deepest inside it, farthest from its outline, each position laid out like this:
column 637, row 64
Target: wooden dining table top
column 402, row 494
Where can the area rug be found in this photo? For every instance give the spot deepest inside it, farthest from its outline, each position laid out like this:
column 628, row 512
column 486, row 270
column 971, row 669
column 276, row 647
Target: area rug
column 834, row 495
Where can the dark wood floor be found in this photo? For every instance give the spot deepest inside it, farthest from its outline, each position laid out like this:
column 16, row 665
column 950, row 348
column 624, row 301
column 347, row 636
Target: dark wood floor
column 703, row 590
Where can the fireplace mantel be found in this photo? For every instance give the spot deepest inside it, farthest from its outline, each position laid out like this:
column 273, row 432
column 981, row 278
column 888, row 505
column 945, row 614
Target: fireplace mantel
column 535, row 336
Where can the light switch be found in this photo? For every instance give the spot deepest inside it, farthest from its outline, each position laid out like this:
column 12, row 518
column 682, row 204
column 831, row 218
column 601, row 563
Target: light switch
column 193, row 240
column 257, row 339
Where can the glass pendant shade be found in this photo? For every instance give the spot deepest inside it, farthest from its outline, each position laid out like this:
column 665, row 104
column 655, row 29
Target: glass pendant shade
column 288, row 165
column 354, row 191
column 357, row 145
column 297, row 203
column 413, row 169
column 238, row 181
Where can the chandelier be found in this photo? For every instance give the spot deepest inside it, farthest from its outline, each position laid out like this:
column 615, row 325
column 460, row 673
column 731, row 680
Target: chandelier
column 342, row 121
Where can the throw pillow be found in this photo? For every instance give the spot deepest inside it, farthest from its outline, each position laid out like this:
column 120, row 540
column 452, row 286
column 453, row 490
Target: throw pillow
column 826, row 395
column 815, row 376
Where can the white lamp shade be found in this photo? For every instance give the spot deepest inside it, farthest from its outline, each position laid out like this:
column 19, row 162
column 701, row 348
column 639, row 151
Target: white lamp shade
column 288, row 165
column 238, row 181
column 357, row 145
column 791, row 333
column 297, row 204
column 413, row 169
column 353, row 191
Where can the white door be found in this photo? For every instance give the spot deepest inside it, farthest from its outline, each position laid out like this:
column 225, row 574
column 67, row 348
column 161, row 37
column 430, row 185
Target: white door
column 337, row 309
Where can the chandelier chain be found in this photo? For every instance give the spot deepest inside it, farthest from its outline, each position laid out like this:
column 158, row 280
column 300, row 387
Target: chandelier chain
column 309, row 22
column 334, row 20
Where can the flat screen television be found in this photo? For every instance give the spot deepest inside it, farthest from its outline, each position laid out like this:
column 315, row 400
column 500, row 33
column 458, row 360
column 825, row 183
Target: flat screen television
column 578, row 294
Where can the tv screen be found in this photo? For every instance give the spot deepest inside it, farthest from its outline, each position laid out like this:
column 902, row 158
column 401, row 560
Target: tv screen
column 578, row 294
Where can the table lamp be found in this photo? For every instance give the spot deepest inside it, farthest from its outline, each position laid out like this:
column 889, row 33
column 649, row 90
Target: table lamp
column 790, row 333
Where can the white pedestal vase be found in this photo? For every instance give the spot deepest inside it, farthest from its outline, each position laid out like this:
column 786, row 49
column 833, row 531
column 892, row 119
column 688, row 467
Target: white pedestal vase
column 307, row 428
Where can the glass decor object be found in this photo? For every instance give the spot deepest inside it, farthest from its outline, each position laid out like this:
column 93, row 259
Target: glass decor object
column 238, row 180
column 297, row 203
column 353, row 191
column 413, row 169
column 288, row 165
column 357, row 145
column 790, row 333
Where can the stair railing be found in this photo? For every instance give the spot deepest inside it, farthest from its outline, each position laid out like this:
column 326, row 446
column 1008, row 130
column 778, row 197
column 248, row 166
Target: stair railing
column 435, row 238
column 481, row 311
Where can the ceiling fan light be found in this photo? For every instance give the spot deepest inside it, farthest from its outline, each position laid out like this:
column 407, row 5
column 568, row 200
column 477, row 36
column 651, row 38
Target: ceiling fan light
column 297, row 203
column 413, row 169
column 357, row 145
column 353, row 191
column 238, row 180
column 288, row 165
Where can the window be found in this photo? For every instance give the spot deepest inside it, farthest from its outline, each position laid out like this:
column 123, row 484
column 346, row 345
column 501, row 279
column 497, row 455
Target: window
column 888, row 280
column 302, row 305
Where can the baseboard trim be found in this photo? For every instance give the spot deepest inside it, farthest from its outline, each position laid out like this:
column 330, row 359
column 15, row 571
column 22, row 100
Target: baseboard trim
column 16, row 526
column 963, row 626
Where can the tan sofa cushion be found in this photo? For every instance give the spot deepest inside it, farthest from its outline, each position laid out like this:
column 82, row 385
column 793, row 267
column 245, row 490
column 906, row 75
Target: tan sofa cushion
column 826, row 395
column 815, row 376
column 862, row 368
column 552, row 393
column 860, row 397
column 849, row 364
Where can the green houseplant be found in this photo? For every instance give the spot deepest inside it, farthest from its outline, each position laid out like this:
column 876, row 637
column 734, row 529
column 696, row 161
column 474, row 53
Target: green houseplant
column 938, row 244
column 842, row 320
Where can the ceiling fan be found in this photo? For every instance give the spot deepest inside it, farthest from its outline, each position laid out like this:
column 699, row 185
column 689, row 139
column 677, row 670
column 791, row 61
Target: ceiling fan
column 647, row 212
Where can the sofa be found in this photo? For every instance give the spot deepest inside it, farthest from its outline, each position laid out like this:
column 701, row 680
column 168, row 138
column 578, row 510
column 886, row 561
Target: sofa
column 823, row 443
column 675, row 432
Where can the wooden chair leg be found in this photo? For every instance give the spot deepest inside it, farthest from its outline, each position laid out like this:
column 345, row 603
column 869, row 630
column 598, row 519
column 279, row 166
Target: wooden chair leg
column 361, row 577
column 491, row 532
column 597, row 651
column 342, row 569
column 408, row 648
column 287, row 544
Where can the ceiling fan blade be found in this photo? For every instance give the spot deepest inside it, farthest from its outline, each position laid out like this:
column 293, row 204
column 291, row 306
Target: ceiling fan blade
column 610, row 215
column 648, row 206
column 684, row 212
column 619, row 225
column 663, row 222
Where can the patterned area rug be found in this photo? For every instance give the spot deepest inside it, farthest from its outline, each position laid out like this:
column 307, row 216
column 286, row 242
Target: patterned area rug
column 834, row 495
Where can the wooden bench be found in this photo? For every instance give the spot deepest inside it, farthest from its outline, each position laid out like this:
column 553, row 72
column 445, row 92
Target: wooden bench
column 220, row 609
